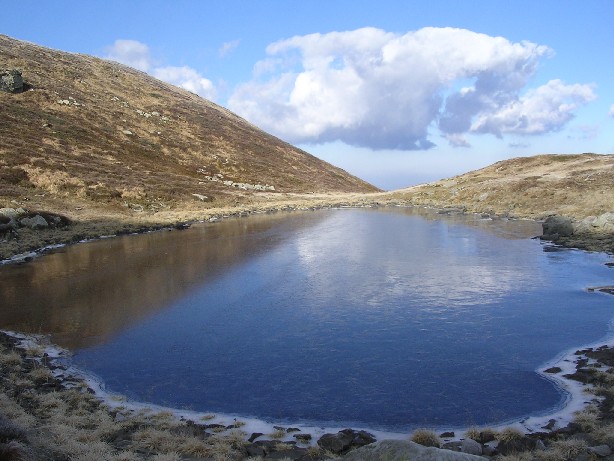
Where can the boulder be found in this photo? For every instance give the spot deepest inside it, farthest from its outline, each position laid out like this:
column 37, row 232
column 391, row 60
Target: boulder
column 471, row 446
column 11, row 81
column 10, row 213
column 604, row 222
column 557, row 226
column 35, row 222
column 345, row 440
column 402, row 450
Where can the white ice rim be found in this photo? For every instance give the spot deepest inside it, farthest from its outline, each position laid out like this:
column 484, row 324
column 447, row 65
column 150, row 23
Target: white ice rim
column 576, row 398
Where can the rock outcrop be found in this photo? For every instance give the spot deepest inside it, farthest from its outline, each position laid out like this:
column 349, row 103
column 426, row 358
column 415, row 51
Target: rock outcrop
column 12, row 219
column 11, row 81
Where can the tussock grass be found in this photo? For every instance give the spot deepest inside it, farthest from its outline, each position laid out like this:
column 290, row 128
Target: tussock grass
column 278, row 434
column 562, row 449
column 481, row 435
column 426, row 438
column 509, row 434
column 588, row 419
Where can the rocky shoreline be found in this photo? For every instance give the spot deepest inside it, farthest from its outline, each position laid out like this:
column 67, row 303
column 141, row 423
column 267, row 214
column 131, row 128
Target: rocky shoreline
column 42, row 400
column 27, row 233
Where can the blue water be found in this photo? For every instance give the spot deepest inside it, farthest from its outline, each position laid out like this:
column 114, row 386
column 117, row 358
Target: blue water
column 385, row 319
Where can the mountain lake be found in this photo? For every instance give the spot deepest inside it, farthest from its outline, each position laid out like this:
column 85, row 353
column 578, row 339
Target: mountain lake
column 387, row 318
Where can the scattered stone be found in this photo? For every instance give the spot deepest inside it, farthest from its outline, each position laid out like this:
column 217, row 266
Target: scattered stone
column 553, row 370
column 292, row 429
column 11, row 81
column 127, row 132
column 447, row 435
column 402, row 450
column 202, row 198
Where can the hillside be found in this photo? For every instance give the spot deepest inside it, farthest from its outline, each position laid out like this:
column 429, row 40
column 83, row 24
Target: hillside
column 89, row 131
column 576, row 187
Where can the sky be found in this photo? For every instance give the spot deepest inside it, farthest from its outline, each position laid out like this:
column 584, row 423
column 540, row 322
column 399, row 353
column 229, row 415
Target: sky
column 395, row 92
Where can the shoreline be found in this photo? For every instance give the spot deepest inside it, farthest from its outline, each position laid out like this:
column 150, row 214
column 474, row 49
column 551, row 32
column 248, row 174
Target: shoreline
column 54, row 359
column 75, row 234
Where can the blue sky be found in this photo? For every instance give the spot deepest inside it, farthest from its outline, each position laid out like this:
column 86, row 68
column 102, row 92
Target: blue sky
column 396, row 92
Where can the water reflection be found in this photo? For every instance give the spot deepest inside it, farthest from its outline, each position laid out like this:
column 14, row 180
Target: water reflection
column 430, row 256
column 84, row 294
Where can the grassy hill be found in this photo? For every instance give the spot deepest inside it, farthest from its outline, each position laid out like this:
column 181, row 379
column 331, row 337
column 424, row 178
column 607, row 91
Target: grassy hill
column 576, row 186
column 90, row 131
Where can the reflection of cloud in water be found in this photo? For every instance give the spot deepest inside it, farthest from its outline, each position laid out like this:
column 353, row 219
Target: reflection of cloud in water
column 431, row 264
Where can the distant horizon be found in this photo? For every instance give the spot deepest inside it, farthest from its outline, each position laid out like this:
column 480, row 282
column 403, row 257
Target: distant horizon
column 395, row 93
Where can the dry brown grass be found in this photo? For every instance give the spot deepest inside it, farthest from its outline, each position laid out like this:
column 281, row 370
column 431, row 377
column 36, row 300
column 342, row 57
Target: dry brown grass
column 576, row 186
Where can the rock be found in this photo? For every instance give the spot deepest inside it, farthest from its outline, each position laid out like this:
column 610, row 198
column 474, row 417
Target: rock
column 11, row 213
column 402, row 450
column 553, row 370
column 604, row 222
column 35, row 222
column 344, row 440
column 254, row 436
column 471, row 447
column 11, row 81
column 557, row 226
column 335, row 443
column 446, row 435
column 601, row 451
column 201, row 197
column 304, row 438
column 127, row 132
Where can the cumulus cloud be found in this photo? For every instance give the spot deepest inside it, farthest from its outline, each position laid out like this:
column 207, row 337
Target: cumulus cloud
column 131, row 53
column 186, row 78
column 136, row 54
column 544, row 109
column 382, row 90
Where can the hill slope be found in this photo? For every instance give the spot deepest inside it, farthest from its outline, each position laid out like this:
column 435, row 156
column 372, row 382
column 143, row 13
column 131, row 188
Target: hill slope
column 576, row 186
column 574, row 190
column 97, row 132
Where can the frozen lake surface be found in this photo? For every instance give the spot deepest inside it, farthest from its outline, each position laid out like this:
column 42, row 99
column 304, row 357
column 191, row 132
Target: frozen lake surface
column 391, row 319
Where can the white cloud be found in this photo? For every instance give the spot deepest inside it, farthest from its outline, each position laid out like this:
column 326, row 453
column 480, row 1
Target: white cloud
column 544, row 109
column 381, row 90
column 186, row 78
column 612, row 110
column 136, row 54
column 131, row 53
column 228, row 47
